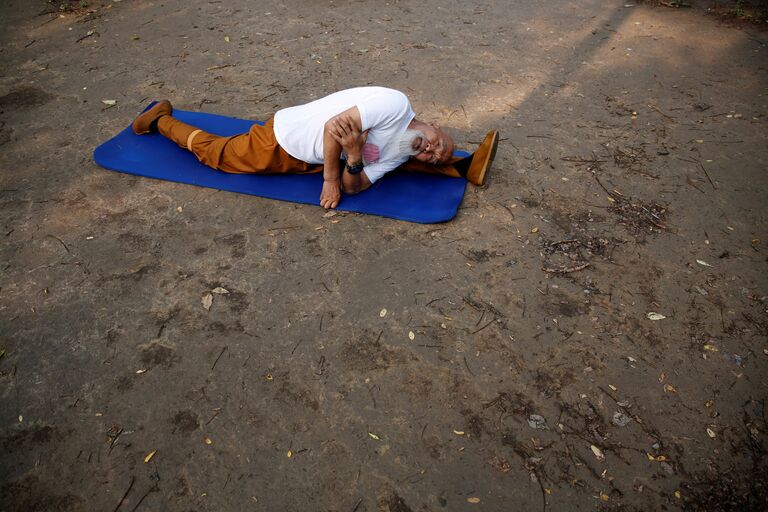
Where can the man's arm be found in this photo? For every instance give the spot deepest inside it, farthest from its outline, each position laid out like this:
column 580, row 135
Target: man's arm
column 331, row 193
column 347, row 131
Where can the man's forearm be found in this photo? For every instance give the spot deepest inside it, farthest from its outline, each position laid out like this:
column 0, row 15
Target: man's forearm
column 352, row 183
column 331, row 156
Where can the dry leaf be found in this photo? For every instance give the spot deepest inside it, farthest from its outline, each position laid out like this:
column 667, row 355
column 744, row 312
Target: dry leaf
column 109, row 102
column 598, row 452
column 710, row 347
column 711, row 433
column 207, row 300
column 655, row 316
column 703, row 263
column 374, row 436
column 670, row 388
column 221, row 291
column 473, row 499
column 149, row 456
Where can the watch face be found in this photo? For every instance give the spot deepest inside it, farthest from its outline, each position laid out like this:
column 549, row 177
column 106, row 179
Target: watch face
column 355, row 169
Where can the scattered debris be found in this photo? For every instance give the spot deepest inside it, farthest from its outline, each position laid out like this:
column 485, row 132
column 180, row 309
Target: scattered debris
column 620, row 419
column 537, row 421
column 149, row 456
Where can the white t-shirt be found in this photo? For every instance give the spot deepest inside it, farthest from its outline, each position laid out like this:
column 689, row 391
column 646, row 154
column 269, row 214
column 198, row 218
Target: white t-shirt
column 386, row 113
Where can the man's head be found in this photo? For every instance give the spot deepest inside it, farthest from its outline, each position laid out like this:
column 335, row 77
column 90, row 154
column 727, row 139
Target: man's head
column 426, row 142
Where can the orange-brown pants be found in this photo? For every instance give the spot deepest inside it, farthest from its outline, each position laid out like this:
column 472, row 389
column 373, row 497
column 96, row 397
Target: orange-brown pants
column 256, row 152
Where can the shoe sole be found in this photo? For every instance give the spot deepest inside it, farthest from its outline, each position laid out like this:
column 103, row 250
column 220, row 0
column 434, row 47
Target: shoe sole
column 489, row 160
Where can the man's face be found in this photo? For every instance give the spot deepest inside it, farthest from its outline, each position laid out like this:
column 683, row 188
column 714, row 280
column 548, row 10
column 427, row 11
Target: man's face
column 436, row 147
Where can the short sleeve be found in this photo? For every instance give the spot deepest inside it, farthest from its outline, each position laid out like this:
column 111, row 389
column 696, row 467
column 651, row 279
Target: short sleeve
column 384, row 109
column 375, row 171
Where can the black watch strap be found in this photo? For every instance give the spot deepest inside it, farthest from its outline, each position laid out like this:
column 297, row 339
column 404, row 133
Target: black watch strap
column 355, row 168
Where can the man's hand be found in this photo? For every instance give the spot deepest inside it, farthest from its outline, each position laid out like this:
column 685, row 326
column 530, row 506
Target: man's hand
column 346, row 131
column 331, row 194
column 342, row 132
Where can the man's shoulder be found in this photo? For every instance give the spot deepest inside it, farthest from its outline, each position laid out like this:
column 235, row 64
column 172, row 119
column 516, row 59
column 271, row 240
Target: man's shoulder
column 377, row 91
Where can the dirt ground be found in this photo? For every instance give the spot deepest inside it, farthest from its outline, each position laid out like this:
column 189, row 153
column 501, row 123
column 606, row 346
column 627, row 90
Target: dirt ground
column 589, row 333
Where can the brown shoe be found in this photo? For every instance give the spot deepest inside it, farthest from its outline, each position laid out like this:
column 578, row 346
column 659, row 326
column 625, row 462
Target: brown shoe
column 482, row 158
column 143, row 123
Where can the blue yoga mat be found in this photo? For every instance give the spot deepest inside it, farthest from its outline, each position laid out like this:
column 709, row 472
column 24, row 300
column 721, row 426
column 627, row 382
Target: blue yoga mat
column 415, row 197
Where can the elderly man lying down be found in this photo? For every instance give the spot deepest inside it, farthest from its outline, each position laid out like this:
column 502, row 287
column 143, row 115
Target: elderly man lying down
column 354, row 137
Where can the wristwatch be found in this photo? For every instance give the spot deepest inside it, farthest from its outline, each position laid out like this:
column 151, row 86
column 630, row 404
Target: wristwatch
column 355, row 168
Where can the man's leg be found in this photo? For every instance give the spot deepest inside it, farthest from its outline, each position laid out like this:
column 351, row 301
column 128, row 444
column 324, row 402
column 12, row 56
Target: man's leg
column 254, row 152
column 473, row 168
column 448, row 169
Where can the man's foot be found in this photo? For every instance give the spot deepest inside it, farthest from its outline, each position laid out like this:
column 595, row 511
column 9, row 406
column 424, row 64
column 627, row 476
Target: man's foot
column 146, row 122
column 482, row 159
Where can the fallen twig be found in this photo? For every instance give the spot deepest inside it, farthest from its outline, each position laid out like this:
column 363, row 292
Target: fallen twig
column 707, row 174
column 657, row 109
column 220, row 354
column 484, row 326
column 567, row 270
column 125, row 494
column 468, row 368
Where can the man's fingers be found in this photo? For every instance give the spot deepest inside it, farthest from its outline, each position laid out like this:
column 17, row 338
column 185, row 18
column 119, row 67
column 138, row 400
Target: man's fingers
column 351, row 122
column 341, row 124
column 346, row 121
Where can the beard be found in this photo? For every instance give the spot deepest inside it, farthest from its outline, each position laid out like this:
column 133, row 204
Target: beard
column 408, row 142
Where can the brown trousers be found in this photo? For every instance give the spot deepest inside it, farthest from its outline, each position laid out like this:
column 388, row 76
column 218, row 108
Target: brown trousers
column 256, row 152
